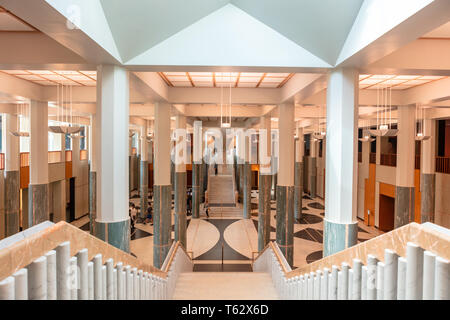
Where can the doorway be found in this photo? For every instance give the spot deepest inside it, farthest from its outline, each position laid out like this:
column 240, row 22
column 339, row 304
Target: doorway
column 387, row 212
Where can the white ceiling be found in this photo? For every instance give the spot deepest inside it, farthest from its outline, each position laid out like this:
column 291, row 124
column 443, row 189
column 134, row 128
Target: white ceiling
column 53, row 78
column 139, row 25
column 320, row 27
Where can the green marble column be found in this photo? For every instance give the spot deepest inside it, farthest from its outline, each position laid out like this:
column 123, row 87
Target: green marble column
column 241, row 182
column 298, row 184
column 92, row 200
column 273, row 195
column 162, row 239
column 37, row 203
column 265, row 184
column 247, row 191
column 180, row 207
column 404, row 206
column 338, row 236
column 116, row 234
column 428, row 190
column 12, row 202
column 143, row 187
column 313, row 177
column 196, row 168
column 285, row 222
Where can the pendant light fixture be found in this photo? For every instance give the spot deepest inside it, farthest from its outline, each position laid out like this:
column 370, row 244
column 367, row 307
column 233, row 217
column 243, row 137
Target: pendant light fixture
column 366, row 137
column 65, row 112
column 320, row 133
column 227, row 123
column 384, row 122
column 23, row 113
column 420, row 126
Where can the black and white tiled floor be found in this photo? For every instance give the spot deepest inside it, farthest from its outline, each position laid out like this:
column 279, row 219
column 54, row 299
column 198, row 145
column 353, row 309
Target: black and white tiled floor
column 225, row 235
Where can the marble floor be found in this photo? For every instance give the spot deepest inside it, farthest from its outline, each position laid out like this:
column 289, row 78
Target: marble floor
column 226, row 242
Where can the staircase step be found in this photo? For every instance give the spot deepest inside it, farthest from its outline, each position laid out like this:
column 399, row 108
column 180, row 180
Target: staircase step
column 225, row 286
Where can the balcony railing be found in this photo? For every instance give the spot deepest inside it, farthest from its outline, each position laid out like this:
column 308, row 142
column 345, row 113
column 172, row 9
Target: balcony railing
column 54, row 156
column 2, row 161
column 443, row 165
column 359, row 156
column 388, row 159
column 373, row 158
column 417, row 163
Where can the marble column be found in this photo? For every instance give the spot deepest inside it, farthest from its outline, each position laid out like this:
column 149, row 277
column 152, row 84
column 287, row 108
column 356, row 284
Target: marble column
column 92, row 175
column 298, row 174
column 285, row 183
column 313, row 167
column 59, row 190
column 340, row 224
column 428, row 175
column 265, row 182
column 112, row 222
column 240, row 138
column 274, row 165
column 38, row 210
column 10, row 146
column 197, row 170
column 247, row 190
column 404, row 189
column 143, row 172
column 180, row 179
column 162, row 189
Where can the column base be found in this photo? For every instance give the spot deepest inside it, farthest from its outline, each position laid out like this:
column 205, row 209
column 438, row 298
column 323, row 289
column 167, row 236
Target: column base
column 37, row 204
column 428, row 189
column 180, row 207
column 285, row 222
column 92, row 201
column 247, row 192
column 196, row 190
column 143, row 188
column 116, row 234
column 404, row 206
column 12, row 202
column 338, row 236
column 162, row 239
column 298, row 193
column 265, row 184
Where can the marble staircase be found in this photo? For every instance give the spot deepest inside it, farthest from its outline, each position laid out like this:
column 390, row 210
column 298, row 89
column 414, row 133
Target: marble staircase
column 221, row 188
column 225, row 286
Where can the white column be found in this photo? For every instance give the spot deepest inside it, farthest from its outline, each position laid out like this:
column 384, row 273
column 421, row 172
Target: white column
column 340, row 225
column 10, row 143
column 287, row 147
column 111, row 140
